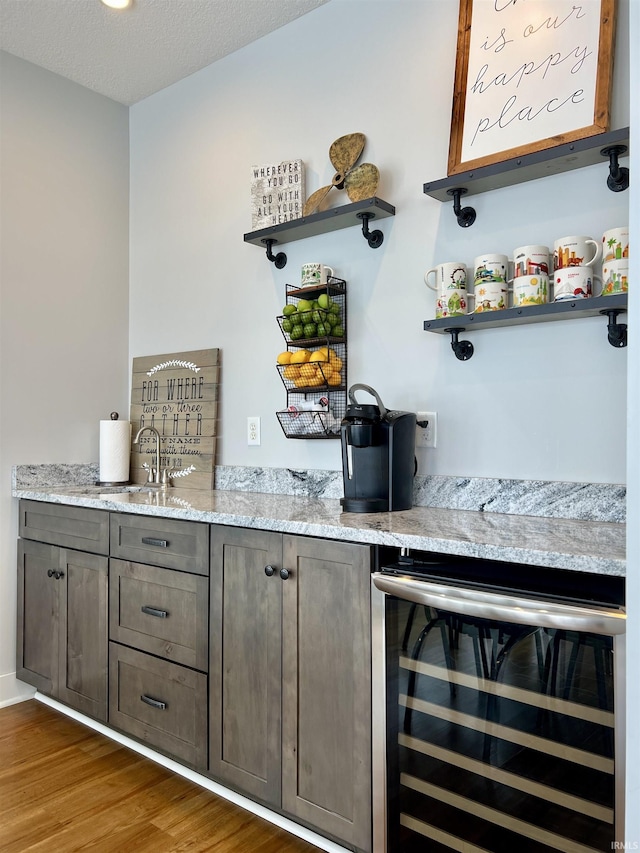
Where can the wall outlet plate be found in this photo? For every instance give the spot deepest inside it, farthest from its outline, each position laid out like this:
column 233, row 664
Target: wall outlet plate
column 253, row 429
column 426, row 436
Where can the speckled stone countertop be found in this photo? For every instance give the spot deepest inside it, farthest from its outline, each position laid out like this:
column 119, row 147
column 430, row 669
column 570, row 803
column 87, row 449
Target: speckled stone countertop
column 579, row 545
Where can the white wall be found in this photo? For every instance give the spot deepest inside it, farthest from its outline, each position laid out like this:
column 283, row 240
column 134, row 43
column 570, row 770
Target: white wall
column 539, row 401
column 633, row 478
column 64, row 277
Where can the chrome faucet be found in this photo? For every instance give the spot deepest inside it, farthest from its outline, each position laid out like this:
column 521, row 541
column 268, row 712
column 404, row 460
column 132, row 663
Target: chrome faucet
column 157, row 477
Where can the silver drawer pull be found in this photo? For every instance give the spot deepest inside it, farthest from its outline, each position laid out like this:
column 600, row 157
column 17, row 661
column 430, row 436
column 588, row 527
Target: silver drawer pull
column 153, row 611
column 155, row 703
column 161, row 543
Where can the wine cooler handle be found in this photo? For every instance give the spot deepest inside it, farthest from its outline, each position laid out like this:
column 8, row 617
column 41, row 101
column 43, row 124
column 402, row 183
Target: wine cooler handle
column 504, row 607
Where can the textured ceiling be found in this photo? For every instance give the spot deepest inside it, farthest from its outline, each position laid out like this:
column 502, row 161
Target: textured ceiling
column 130, row 55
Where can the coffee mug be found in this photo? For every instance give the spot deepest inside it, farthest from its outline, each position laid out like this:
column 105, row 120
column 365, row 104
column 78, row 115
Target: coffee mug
column 615, row 276
column 315, row 274
column 530, row 290
column 574, row 283
column 575, row 252
column 530, row 260
column 491, row 295
column 490, row 267
column 450, row 286
column 615, row 244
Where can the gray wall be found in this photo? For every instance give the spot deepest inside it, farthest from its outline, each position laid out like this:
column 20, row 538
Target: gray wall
column 533, row 402
column 64, row 277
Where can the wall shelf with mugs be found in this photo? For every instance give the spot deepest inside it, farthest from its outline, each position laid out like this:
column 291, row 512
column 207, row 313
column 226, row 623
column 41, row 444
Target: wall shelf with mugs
column 551, row 161
column 608, row 306
column 313, row 368
column 334, row 219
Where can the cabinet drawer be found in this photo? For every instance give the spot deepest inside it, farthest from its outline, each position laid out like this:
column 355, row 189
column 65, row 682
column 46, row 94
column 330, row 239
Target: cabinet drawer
column 172, row 544
column 160, row 703
column 68, row 526
column 160, row 611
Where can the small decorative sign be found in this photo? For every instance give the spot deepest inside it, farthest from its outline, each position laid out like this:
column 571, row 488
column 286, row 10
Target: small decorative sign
column 277, row 193
column 177, row 394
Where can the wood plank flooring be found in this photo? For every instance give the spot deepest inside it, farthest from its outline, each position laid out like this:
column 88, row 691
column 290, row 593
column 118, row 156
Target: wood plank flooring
column 65, row 787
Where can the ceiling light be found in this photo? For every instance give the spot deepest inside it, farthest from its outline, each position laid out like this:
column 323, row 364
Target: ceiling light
column 117, row 4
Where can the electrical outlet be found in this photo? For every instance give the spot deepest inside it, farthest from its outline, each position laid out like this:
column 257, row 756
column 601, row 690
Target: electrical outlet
column 426, row 436
column 253, row 429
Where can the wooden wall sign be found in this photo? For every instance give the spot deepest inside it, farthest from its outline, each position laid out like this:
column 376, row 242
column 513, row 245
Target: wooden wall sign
column 529, row 75
column 277, row 193
column 177, row 394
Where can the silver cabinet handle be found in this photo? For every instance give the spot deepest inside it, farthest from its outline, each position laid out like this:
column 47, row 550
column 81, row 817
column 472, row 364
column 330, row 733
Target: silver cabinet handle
column 160, row 543
column 154, row 611
column 501, row 607
column 155, row 703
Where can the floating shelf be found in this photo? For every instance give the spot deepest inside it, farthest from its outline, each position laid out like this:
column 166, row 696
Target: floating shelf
column 539, row 164
column 356, row 213
column 610, row 306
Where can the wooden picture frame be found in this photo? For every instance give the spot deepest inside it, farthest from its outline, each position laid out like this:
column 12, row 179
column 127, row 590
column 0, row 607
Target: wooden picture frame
column 529, row 76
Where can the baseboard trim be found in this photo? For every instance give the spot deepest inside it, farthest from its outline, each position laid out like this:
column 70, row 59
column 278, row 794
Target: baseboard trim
column 13, row 691
column 215, row 787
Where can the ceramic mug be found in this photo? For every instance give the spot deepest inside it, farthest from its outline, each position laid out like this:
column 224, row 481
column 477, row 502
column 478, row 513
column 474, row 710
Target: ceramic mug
column 575, row 252
column 615, row 276
column 491, row 295
column 615, row 244
column 450, row 286
column 315, row 274
column 530, row 290
column 530, row 260
column 491, row 267
column 574, row 283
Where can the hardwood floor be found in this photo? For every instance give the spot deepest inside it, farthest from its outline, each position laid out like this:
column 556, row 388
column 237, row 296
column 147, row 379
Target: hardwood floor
column 64, row 787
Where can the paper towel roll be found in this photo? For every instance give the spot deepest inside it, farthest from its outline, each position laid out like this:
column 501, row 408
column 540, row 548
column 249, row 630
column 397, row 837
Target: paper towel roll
column 115, row 438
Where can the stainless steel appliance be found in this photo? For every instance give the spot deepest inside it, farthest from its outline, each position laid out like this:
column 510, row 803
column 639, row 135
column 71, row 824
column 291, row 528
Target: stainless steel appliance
column 498, row 702
column 378, row 456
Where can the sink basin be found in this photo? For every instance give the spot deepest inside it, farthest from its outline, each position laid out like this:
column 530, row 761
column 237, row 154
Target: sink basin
column 88, row 490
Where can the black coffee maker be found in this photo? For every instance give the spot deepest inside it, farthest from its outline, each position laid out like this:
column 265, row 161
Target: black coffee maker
column 378, row 456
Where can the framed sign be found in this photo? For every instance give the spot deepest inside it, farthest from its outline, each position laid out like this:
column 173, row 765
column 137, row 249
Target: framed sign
column 530, row 74
column 176, row 393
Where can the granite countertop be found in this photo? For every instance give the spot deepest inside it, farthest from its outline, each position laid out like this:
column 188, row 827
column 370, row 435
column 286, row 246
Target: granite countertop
column 596, row 547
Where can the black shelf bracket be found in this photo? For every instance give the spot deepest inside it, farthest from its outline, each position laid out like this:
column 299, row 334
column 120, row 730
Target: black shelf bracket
column 466, row 216
column 463, row 349
column 280, row 260
column 616, row 332
column 618, row 179
column 373, row 238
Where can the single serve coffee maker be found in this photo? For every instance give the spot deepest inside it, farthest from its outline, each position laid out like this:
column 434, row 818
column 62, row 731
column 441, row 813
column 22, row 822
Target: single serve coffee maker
column 378, row 456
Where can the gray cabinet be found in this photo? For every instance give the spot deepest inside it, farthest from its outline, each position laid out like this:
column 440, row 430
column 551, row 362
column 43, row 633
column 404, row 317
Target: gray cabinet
column 290, row 703
column 62, row 624
column 159, row 634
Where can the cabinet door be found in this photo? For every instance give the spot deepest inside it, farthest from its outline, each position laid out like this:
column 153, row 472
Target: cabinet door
column 326, row 702
column 38, row 615
column 82, row 674
column 245, row 669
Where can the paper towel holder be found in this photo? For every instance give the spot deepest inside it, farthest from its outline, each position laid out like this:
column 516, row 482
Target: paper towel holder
column 114, row 416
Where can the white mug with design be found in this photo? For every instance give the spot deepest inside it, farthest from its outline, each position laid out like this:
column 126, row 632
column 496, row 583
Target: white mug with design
column 575, row 252
column 530, row 260
column 615, row 277
column 315, row 274
column 491, row 267
column 530, row 290
column 450, row 286
column 574, row 283
column 615, row 244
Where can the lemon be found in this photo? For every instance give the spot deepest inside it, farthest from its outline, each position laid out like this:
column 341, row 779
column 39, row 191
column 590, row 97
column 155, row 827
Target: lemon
column 335, row 362
column 319, row 355
column 291, row 371
column 284, row 357
column 300, row 356
column 334, row 379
